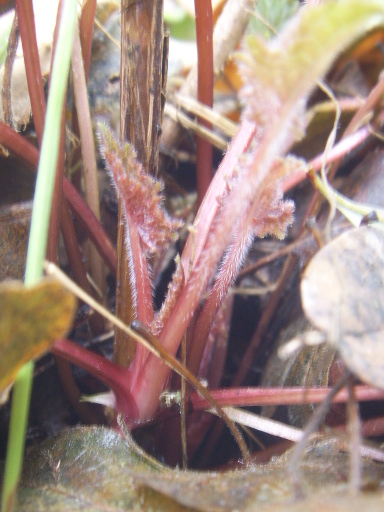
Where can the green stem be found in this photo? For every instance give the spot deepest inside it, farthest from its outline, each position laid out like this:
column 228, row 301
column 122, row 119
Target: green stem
column 38, row 242
column 18, row 425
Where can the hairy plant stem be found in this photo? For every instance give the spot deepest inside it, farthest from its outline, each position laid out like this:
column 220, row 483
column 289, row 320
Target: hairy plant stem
column 141, row 83
column 139, row 333
column 147, row 388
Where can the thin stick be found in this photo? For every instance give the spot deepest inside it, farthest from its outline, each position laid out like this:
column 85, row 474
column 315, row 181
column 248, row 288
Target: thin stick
column 355, row 441
column 311, row 427
column 183, row 409
column 87, row 150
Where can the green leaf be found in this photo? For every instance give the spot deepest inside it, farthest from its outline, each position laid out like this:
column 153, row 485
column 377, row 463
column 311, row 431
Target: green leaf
column 4, row 35
column 270, row 16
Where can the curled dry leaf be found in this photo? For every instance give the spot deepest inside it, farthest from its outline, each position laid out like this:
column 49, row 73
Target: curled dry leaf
column 31, row 319
column 342, row 293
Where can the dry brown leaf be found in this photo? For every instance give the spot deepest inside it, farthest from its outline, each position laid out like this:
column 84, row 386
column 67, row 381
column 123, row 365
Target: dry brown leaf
column 342, row 293
column 31, row 319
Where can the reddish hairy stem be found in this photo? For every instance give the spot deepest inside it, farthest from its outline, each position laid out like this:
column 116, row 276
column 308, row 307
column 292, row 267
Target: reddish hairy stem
column 337, row 152
column 210, row 206
column 138, row 267
column 248, row 397
column 204, row 40
column 32, row 64
column 141, row 82
column 228, row 271
column 111, row 374
column 149, row 388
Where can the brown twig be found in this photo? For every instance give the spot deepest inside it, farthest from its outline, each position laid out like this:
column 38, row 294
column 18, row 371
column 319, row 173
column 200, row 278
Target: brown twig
column 88, row 151
column 6, row 90
column 32, row 64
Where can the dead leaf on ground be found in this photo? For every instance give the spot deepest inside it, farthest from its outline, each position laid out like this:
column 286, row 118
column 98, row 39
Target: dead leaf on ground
column 31, row 319
column 342, row 293
column 94, row 469
column 15, row 222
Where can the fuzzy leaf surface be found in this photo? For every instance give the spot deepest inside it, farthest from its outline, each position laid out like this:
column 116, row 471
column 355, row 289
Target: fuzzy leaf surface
column 94, row 469
column 283, row 72
column 139, row 192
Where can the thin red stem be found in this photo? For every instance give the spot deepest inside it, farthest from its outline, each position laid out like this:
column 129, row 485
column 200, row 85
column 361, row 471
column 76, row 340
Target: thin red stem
column 337, row 152
column 111, row 374
column 93, row 227
column 248, row 397
column 210, row 206
column 204, row 40
column 29, row 154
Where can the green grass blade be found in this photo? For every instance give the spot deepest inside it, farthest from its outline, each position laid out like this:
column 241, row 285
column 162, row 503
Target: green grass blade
column 38, row 242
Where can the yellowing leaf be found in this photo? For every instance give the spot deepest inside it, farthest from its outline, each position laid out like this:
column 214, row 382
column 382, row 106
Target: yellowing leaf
column 352, row 210
column 280, row 75
column 31, row 319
